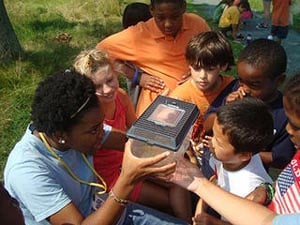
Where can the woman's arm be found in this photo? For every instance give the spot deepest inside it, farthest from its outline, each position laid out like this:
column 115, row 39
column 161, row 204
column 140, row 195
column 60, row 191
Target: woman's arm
column 133, row 170
column 235, row 209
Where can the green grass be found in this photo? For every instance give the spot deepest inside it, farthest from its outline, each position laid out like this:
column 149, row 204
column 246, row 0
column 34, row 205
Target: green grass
column 37, row 23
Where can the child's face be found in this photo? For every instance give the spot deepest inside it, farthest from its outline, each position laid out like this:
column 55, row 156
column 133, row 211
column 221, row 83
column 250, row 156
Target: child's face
column 206, row 80
column 221, row 147
column 293, row 126
column 256, row 83
column 168, row 17
column 106, row 84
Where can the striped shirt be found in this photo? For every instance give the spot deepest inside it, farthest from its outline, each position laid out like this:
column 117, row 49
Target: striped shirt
column 287, row 191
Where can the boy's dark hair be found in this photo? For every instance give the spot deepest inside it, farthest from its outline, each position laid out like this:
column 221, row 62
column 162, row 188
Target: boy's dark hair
column 209, row 49
column 227, row 2
column 265, row 54
column 181, row 3
column 292, row 92
column 245, row 5
column 134, row 13
column 61, row 100
column 248, row 124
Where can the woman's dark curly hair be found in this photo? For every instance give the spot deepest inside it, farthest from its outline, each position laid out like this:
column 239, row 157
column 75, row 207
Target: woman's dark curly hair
column 61, row 100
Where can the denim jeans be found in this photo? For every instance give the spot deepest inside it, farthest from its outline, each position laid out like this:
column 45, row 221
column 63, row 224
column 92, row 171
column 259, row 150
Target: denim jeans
column 140, row 215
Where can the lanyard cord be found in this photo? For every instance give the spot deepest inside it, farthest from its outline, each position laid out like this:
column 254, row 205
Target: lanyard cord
column 102, row 186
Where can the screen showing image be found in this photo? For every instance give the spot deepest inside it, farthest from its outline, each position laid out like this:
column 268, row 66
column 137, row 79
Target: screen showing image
column 166, row 115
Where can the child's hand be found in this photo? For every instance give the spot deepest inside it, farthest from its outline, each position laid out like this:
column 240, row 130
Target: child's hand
column 204, row 219
column 239, row 94
column 207, row 141
column 258, row 195
column 151, row 83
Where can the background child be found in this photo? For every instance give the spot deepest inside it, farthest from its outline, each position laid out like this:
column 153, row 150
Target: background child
column 162, row 38
column 267, row 13
column 241, row 129
column 280, row 19
column 133, row 13
column 261, row 69
column 119, row 114
column 230, row 20
column 219, row 10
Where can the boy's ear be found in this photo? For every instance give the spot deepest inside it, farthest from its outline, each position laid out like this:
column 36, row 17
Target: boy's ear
column 151, row 9
column 245, row 156
column 280, row 80
column 224, row 68
column 59, row 135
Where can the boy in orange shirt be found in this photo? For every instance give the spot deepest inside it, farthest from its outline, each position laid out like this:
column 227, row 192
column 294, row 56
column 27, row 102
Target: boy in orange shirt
column 157, row 48
column 208, row 54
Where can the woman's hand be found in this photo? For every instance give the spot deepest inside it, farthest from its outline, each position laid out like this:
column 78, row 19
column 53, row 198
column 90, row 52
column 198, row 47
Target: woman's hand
column 135, row 169
column 152, row 83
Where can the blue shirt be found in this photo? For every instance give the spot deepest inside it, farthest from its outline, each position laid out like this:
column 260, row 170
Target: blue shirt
column 287, row 219
column 41, row 184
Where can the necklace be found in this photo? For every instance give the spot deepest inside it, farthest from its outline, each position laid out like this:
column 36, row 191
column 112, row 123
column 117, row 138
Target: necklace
column 102, row 186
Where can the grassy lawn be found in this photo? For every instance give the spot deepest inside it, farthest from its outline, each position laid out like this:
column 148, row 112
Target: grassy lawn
column 38, row 24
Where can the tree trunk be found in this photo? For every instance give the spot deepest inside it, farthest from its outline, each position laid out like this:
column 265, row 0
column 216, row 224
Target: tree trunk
column 10, row 47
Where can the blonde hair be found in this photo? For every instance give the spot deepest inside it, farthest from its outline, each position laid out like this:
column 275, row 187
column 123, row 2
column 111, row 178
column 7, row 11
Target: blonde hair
column 90, row 61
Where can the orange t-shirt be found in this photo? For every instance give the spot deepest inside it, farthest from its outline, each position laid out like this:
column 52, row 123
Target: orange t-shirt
column 188, row 92
column 150, row 50
column 281, row 12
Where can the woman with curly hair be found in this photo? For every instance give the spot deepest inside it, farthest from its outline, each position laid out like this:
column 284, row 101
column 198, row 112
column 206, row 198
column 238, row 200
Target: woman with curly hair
column 50, row 173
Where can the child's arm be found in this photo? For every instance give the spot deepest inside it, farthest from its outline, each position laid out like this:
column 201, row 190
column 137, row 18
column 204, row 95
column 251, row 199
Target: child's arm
column 130, row 112
column 205, row 218
column 266, row 157
column 139, row 77
column 115, row 140
column 239, row 94
column 235, row 30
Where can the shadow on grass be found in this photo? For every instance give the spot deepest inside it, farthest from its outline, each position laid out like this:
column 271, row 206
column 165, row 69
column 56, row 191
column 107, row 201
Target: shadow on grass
column 53, row 54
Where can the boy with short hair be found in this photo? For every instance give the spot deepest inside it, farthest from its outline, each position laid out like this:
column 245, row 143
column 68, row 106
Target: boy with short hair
column 208, row 54
column 241, row 129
